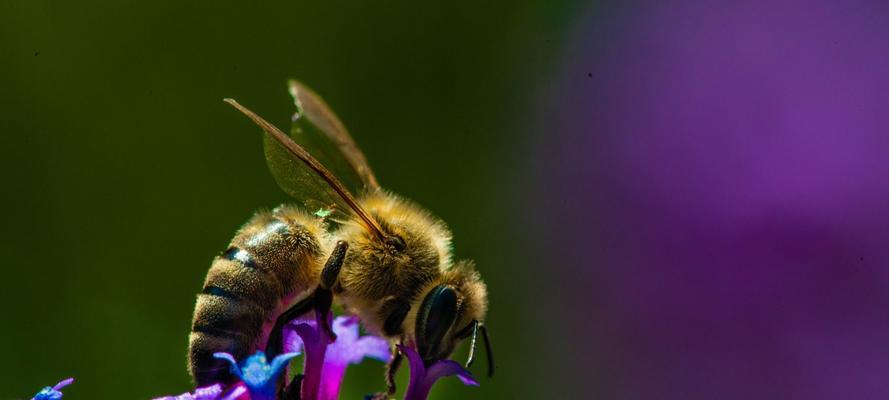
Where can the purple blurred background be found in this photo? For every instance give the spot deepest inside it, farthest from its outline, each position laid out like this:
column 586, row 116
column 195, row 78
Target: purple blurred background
column 716, row 187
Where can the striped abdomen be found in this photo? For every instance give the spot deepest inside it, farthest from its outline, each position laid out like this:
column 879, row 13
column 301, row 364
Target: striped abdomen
column 271, row 260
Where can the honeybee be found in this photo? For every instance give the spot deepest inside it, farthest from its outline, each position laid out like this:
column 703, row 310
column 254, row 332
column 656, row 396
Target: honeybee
column 378, row 255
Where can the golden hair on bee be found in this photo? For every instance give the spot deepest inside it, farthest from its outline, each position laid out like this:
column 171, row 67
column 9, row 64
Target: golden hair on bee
column 377, row 269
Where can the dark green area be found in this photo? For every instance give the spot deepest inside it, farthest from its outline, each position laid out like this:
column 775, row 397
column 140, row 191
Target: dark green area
column 124, row 173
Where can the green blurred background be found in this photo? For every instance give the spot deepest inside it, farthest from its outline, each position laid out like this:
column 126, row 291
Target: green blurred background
column 124, row 173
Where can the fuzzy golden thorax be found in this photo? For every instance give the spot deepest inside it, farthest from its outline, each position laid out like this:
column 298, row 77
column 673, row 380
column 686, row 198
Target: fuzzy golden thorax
column 374, row 271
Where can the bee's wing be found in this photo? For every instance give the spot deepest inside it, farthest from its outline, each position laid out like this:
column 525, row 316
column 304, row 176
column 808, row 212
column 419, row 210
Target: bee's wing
column 305, row 178
column 317, row 128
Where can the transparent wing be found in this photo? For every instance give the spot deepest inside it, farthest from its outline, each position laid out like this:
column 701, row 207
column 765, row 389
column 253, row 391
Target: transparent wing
column 306, row 179
column 303, row 184
column 318, row 130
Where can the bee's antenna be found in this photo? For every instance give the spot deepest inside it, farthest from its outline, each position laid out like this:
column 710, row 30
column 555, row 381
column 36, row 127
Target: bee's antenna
column 472, row 343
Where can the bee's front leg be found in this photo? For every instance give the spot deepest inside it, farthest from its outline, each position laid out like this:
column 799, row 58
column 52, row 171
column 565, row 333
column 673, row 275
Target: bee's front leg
column 275, row 343
column 323, row 296
column 391, row 370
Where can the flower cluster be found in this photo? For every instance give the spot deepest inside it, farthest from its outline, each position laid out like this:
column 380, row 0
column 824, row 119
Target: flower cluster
column 325, row 360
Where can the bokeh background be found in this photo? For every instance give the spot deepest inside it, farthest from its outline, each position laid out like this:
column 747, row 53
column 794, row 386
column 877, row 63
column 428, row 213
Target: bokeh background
column 668, row 200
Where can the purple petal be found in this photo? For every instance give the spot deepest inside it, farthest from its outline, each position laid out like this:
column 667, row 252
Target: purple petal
column 349, row 348
column 52, row 393
column 346, row 326
column 445, row 368
column 315, row 341
column 63, row 383
column 308, row 334
column 374, row 347
column 413, row 358
column 331, row 380
column 293, row 342
column 183, row 396
column 422, row 379
column 208, row 392
column 238, row 392
column 415, row 389
column 212, row 392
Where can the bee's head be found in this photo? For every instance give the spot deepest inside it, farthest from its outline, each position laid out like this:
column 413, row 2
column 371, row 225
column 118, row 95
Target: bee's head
column 448, row 311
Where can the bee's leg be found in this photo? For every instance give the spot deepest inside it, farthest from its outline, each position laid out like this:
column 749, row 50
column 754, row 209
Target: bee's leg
column 391, row 370
column 332, row 267
column 393, row 313
column 324, row 294
column 275, row 344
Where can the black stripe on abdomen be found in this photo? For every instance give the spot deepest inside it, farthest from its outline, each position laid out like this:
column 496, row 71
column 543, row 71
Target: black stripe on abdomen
column 220, row 292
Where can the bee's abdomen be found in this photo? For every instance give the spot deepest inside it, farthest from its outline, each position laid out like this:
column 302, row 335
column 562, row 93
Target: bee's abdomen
column 272, row 257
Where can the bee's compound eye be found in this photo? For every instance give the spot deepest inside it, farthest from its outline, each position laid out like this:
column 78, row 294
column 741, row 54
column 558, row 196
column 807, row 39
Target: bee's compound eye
column 396, row 242
column 436, row 316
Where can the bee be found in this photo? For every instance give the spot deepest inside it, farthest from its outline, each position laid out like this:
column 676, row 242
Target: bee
column 378, row 255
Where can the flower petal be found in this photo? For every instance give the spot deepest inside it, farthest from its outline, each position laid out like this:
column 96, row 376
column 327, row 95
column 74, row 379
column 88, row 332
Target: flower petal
column 308, row 333
column 63, row 383
column 231, row 359
column 374, row 347
column 280, row 362
column 292, row 341
column 349, row 348
column 346, row 326
column 52, row 393
column 237, row 392
column 208, row 392
column 315, row 341
column 212, row 392
column 415, row 387
column 422, row 379
column 443, row 368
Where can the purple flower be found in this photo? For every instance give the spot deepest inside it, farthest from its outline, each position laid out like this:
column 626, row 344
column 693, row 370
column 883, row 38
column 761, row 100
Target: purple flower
column 326, row 363
column 422, row 378
column 213, row 392
column 53, row 393
column 258, row 375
